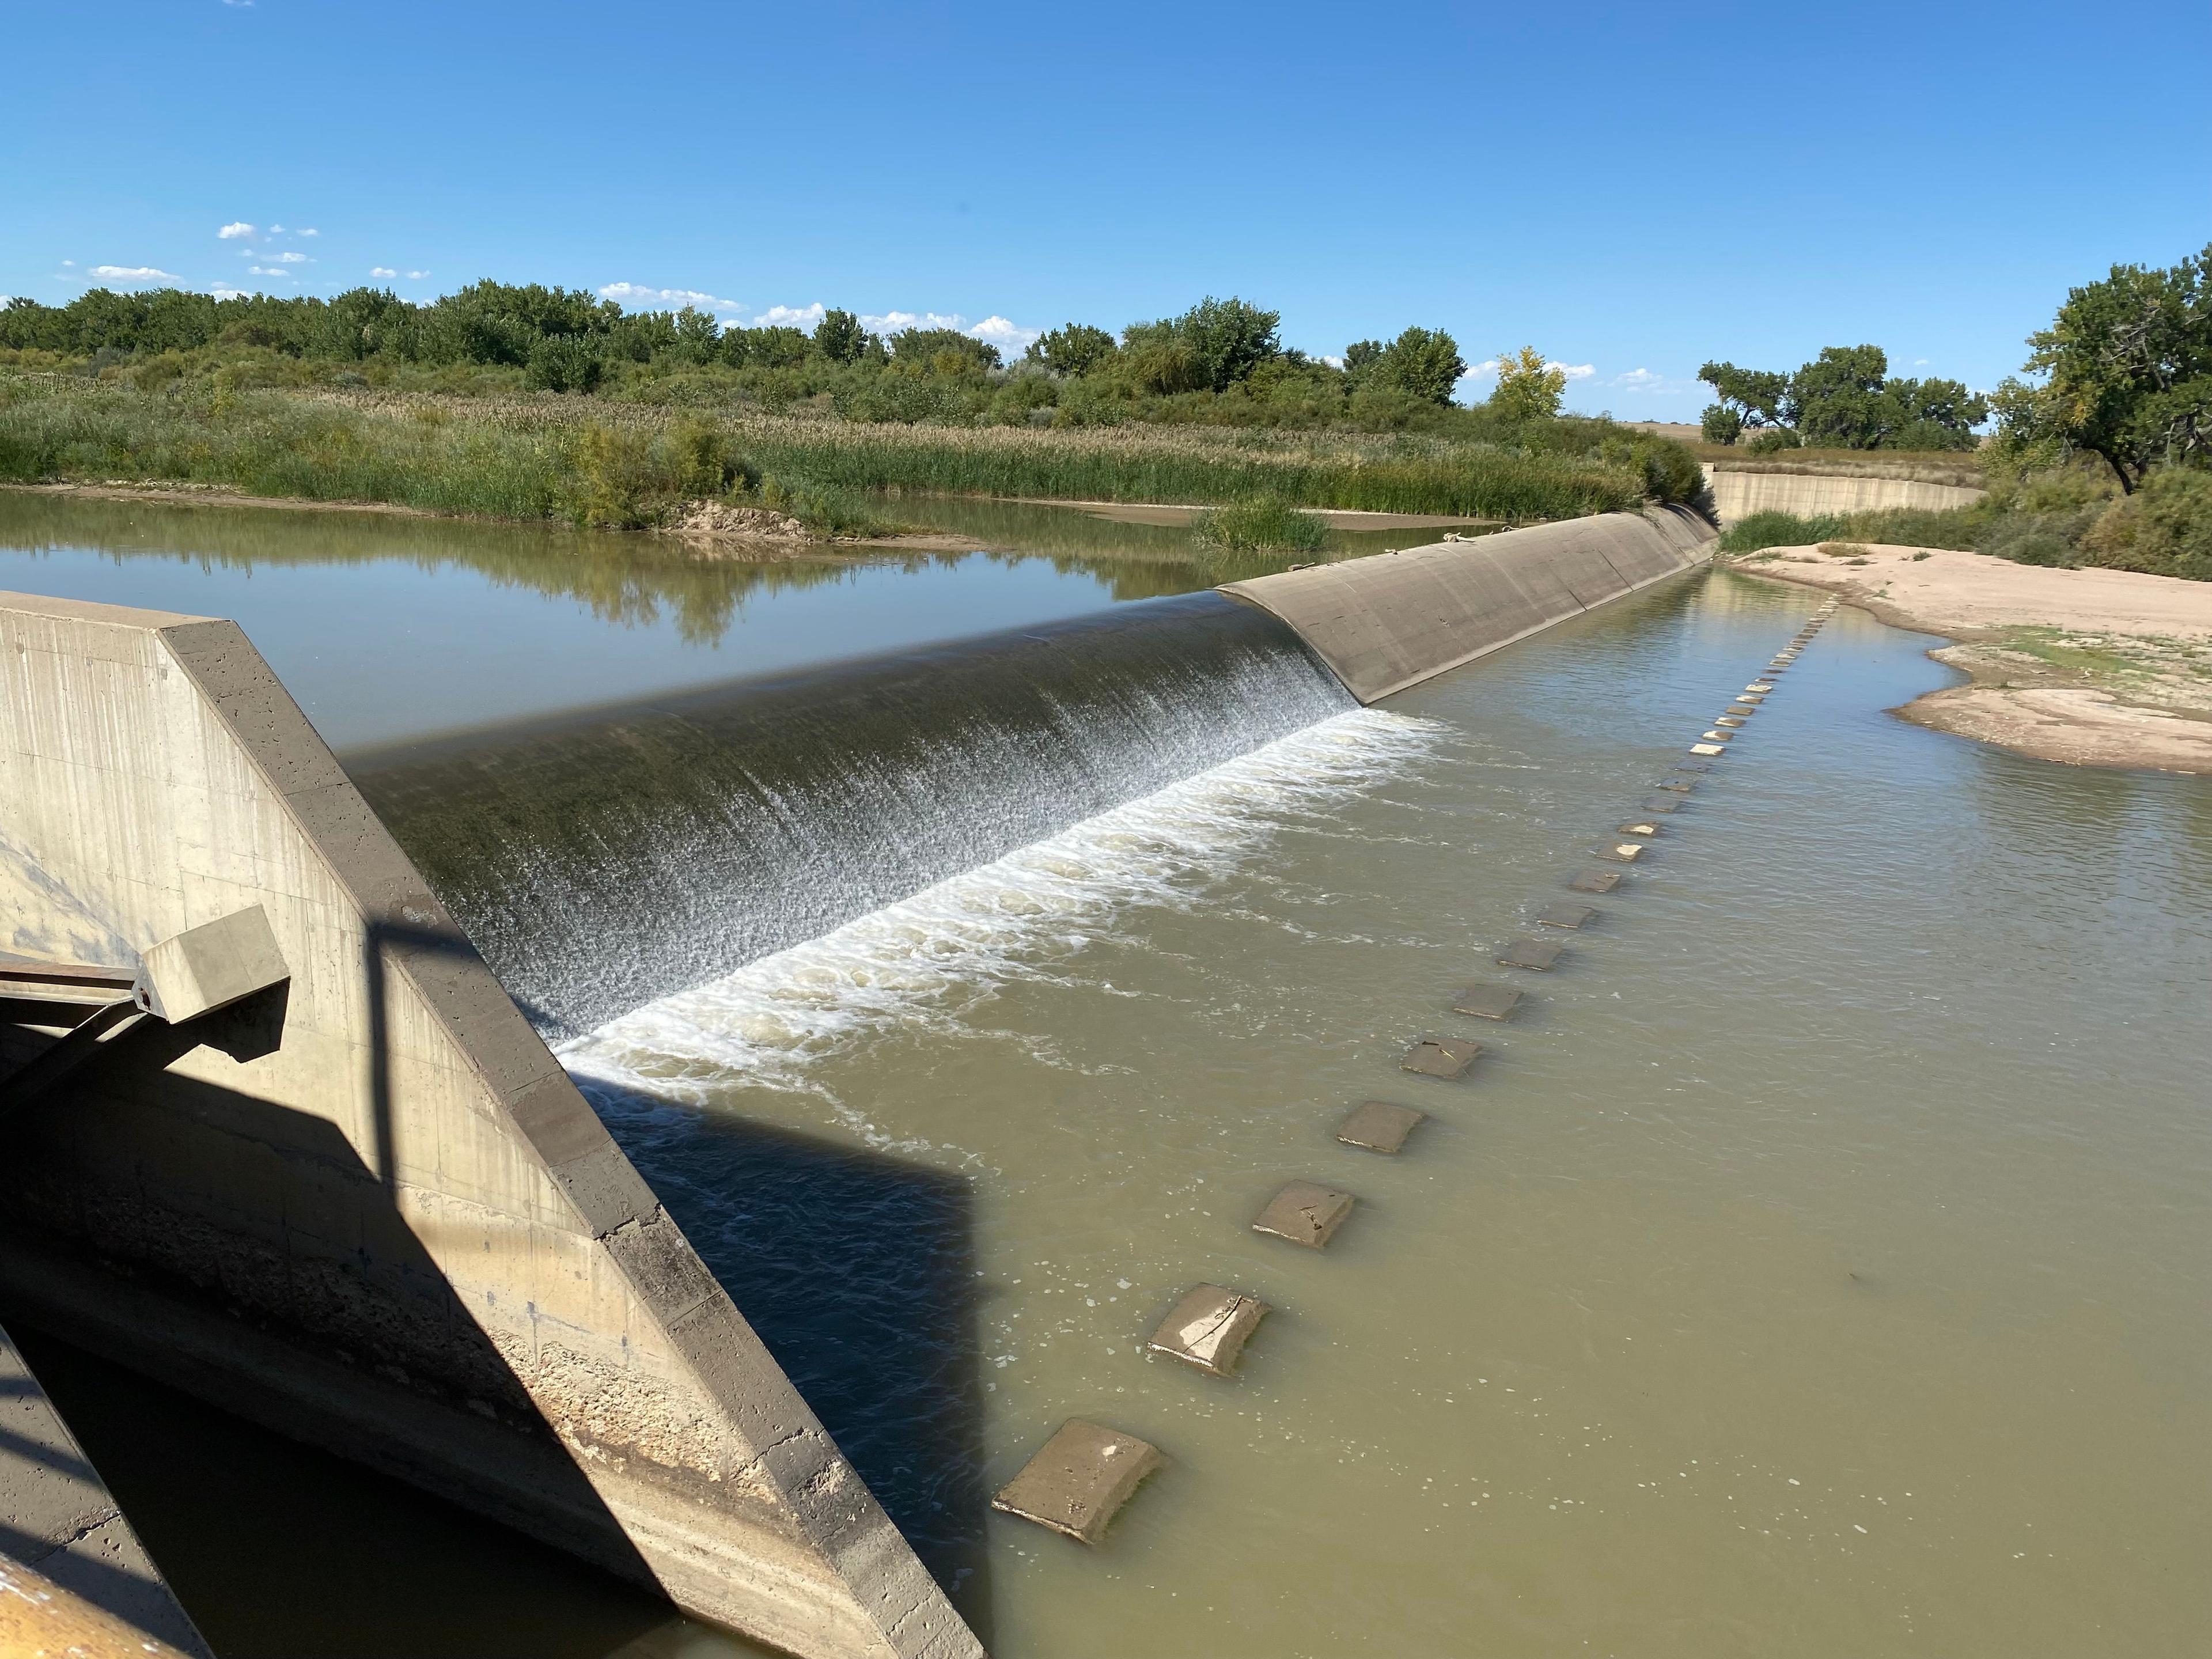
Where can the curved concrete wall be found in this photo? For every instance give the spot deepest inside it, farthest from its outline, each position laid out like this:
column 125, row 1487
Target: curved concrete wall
column 1737, row 496
column 1385, row 623
column 377, row 1215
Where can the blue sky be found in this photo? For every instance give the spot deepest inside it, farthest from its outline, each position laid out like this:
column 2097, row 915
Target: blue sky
column 1632, row 188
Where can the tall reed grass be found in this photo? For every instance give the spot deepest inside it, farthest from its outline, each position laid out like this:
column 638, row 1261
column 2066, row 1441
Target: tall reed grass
column 551, row 457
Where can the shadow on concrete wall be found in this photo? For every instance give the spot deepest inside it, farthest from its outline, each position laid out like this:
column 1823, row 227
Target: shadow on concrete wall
column 280, row 1550
column 859, row 1272
column 244, row 1252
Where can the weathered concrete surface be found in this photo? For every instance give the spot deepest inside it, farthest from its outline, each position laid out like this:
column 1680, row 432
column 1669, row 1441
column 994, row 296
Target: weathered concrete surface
column 368, row 1207
column 56, row 1517
column 1078, row 1482
column 1391, row 621
column 1737, row 496
column 38, row 1618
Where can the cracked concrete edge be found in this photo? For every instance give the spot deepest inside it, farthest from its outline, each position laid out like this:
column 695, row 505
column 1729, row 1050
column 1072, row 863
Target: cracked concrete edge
column 1392, row 620
column 57, row 1516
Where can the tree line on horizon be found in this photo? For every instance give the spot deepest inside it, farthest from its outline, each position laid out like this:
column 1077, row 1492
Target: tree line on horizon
column 1222, row 361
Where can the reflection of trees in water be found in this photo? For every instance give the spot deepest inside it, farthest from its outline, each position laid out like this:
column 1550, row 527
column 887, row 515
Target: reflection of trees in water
column 630, row 579
column 635, row 579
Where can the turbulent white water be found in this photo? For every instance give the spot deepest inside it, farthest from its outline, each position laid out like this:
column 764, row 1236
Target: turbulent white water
column 930, row 956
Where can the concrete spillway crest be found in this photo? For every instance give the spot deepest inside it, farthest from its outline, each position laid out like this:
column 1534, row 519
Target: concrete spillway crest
column 1386, row 622
column 364, row 1204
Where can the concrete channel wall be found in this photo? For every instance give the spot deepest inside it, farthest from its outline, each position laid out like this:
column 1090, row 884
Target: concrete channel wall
column 1737, row 496
column 366, row 1206
column 1390, row 621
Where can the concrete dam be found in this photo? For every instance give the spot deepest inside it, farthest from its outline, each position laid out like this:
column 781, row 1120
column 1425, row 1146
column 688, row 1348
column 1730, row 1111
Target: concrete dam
column 286, row 1131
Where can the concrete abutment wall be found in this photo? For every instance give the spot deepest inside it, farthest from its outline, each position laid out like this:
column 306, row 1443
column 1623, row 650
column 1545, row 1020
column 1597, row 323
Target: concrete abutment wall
column 369, row 1208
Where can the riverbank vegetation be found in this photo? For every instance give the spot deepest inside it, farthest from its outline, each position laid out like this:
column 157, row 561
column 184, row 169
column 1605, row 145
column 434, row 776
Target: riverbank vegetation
column 528, row 402
column 633, row 465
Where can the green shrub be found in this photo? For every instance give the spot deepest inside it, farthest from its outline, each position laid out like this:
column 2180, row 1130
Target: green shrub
column 2164, row 529
column 1263, row 525
column 564, row 362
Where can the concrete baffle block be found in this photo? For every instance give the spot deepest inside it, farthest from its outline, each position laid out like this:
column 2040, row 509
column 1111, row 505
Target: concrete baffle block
column 1443, row 1057
column 1677, row 786
column 1208, row 1329
column 1728, row 722
column 1760, row 688
column 1715, row 735
column 1663, row 804
column 1707, row 748
column 1485, row 1001
column 1079, row 1481
column 1637, row 827
column 1305, row 1213
column 1567, row 915
column 1595, row 881
column 1537, row 954
column 1625, row 852
column 1378, row 1126
column 209, row 967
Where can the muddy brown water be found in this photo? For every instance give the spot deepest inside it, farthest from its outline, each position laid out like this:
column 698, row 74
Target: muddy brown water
column 1815, row 1263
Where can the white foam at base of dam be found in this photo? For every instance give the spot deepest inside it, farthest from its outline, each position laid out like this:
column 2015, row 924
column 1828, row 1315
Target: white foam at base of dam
column 933, row 955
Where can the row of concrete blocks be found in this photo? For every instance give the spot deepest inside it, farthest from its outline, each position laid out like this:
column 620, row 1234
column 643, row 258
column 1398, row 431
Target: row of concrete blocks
column 1085, row 1472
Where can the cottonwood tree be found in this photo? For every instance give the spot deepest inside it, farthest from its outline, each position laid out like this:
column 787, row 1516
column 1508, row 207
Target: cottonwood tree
column 2126, row 374
column 1071, row 349
column 1843, row 399
column 1423, row 361
column 1529, row 388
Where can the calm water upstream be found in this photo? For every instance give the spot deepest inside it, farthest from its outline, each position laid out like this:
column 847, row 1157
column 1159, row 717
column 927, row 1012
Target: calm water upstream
column 1816, row 1265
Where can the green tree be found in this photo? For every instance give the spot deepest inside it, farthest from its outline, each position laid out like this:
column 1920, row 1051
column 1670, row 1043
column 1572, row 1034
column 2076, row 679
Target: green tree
column 1749, row 398
column 1425, row 362
column 1210, row 348
column 1843, row 399
column 1529, row 388
column 1072, row 349
column 2125, row 374
column 840, row 338
column 944, row 351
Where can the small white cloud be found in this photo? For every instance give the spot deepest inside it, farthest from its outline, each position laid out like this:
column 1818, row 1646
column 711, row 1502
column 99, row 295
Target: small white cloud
column 382, row 270
column 416, row 276
column 892, row 321
column 638, row 295
column 276, row 230
column 1333, row 362
column 790, row 316
column 269, row 270
column 225, row 291
column 1488, row 366
column 289, row 259
column 1008, row 337
column 132, row 274
column 1651, row 384
column 311, row 231
column 233, row 232
column 1920, row 362
column 243, row 5
column 68, row 262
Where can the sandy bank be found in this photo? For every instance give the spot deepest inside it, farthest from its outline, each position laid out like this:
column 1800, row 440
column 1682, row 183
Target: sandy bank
column 2089, row 667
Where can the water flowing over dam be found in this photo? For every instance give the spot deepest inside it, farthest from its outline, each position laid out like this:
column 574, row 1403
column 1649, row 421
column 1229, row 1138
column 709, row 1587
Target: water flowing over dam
column 607, row 860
